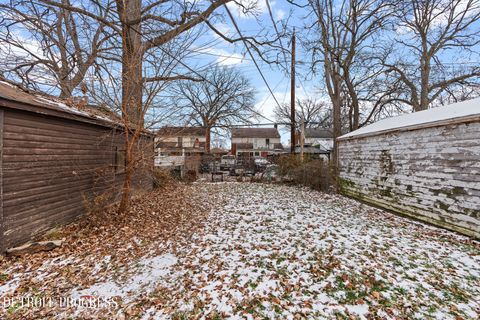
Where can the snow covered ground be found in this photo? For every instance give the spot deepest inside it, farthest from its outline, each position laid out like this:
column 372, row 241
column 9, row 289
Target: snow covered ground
column 280, row 252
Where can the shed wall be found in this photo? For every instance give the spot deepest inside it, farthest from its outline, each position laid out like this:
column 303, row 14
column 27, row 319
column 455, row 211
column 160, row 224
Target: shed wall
column 51, row 168
column 432, row 174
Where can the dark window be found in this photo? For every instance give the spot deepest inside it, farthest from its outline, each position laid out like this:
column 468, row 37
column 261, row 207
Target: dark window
column 267, row 142
column 180, row 142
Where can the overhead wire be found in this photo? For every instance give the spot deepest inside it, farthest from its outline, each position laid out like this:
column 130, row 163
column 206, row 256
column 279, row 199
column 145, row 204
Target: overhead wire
column 250, row 53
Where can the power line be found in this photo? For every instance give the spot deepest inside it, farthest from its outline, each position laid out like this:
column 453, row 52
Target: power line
column 250, row 53
column 278, row 33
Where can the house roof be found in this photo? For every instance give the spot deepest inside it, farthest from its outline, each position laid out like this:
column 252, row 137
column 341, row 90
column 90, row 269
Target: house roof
column 166, row 144
column 427, row 118
column 43, row 103
column 173, row 145
column 318, row 133
column 244, row 146
column 255, row 133
column 181, row 131
column 218, row 151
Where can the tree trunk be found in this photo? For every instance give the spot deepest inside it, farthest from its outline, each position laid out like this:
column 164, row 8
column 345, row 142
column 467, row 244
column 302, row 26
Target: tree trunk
column 132, row 65
column 425, row 79
column 132, row 89
column 65, row 91
column 127, row 182
column 207, row 139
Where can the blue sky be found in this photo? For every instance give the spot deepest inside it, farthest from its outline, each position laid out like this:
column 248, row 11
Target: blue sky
column 235, row 55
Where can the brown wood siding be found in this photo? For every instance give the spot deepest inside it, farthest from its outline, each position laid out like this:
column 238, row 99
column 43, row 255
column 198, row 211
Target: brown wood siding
column 431, row 173
column 50, row 166
column 2, row 223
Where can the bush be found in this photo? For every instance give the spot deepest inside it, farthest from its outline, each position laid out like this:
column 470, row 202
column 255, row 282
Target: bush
column 314, row 173
column 161, row 177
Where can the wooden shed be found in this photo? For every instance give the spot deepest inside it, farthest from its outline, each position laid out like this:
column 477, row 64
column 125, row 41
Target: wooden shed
column 56, row 158
column 425, row 165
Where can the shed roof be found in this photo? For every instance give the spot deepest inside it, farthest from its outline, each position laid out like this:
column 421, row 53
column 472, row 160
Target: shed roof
column 318, row 133
column 181, row 131
column 255, row 133
column 44, row 102
column 426, row 118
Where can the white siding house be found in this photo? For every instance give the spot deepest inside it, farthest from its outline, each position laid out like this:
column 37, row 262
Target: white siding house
column 258, row 142
column 173, row 145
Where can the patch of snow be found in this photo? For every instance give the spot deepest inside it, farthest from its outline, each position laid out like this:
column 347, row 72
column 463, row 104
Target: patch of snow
column 70, row 109
column 359, row 309
column 149, row 272
column 9, row 287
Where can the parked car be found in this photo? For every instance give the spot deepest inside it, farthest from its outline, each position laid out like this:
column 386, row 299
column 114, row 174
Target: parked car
column 227, row 162
column 237, row 170
column 261, row 164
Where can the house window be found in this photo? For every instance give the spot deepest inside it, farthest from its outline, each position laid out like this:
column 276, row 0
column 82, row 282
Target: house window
column 267, row 142
column 120, row 161
column 179, row 142
column 257, row 153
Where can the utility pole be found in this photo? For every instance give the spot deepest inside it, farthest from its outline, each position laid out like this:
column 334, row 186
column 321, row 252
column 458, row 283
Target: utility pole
column 302, row 136
column 292, row 96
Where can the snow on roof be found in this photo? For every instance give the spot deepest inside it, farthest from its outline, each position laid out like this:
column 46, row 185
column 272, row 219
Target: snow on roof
column 17, row 93
column 318, row 133
column 452, row 111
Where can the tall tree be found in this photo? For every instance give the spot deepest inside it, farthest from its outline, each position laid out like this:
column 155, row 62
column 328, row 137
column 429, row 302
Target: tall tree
column 315, row 114
column 346, row 29
column 224, row 98
column 143, row 26
column 50, row 46
column 437, row 49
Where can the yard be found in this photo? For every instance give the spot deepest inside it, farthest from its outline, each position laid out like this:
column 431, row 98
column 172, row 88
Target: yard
column 248, row 250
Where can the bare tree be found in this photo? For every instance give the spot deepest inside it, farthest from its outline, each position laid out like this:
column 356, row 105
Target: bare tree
column 315, row 114
column 51, row 46
column 143, row 26
column 435, row 44
column 225, row 97
column 345, row 30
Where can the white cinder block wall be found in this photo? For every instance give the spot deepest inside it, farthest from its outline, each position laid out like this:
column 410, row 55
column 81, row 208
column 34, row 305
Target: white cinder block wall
column 432, row 173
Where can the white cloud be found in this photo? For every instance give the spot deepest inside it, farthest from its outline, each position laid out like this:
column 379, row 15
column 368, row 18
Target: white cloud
column 223, row 28
column 279, row 14
column 224, row 57
column 235, row 58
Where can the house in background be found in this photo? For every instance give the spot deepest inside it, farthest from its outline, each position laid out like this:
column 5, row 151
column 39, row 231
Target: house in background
column 174, row 146
column 318, row 142
column 256, row 142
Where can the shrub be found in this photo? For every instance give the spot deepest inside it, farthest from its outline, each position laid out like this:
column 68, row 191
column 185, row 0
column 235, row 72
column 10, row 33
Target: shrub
column 314, row 173
column 161, row 177
column 190, row 176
